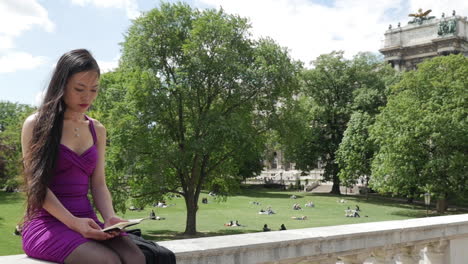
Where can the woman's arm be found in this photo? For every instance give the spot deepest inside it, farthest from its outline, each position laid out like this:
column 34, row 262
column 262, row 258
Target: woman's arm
column 99, row 190
column 85, row 226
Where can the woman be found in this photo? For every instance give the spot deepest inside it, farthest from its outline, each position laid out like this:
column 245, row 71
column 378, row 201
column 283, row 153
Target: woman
column 63, row 152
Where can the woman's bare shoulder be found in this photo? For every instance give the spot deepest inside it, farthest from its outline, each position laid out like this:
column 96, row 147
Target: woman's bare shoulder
column 99, row 127
column 30, row 120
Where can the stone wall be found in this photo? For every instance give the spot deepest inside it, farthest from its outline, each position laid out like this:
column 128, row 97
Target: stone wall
column 434, row 240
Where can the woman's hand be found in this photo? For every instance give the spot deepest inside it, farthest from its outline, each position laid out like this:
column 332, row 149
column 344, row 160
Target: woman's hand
column 112, row 221
column 89, row 229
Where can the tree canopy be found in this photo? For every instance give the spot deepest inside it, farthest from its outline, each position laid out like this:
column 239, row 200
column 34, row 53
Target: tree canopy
column 316, row 119
column 190, row 103
column 422, row 132
column 12, row 116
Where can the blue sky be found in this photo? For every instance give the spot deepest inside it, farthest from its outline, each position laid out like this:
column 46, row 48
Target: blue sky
column 35, row 33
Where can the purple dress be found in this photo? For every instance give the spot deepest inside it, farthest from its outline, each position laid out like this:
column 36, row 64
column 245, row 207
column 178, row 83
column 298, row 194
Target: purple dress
column 45, row 237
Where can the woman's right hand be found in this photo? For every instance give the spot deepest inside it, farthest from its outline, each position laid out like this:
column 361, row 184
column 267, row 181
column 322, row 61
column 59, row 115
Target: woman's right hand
column 89, row 229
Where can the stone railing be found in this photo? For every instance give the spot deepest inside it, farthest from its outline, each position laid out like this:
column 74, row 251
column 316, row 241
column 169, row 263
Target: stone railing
column 433, row 240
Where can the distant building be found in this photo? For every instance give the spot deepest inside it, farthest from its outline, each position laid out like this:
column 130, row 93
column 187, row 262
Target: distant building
column 425, row 37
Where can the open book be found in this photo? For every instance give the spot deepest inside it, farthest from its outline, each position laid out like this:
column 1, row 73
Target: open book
column 122, row 225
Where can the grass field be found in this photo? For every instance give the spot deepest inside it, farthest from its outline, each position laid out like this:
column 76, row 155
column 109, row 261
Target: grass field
column 212, row 216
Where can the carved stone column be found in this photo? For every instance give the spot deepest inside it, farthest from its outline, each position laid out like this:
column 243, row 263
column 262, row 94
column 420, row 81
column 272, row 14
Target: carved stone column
column 435, row 252
column 410, row 254
column 383, row 256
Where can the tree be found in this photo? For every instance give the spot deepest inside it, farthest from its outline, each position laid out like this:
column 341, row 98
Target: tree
column 194, row 95
column 12, row 116
column 316, row 119
column 421, row 132
column 356, row 149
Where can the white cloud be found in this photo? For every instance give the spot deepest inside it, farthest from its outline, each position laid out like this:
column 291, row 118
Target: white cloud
column 39, row 98
column 309, row 29
column 6, row 42
column 130, row 6
column 19, row 16
column 107, row 66
column 13, row 61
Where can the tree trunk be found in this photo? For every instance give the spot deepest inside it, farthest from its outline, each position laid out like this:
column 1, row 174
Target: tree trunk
column 336, row 186
column 191, row 222
column 442, row 205
column 336, row 180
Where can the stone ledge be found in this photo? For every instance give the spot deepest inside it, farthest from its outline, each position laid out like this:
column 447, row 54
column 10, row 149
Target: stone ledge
column 308, row 243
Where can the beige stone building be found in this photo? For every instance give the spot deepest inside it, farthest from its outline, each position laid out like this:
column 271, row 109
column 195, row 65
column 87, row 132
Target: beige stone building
column 425, row 37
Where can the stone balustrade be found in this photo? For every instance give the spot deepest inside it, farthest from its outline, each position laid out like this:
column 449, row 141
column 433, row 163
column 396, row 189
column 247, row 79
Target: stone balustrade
column 433, row 240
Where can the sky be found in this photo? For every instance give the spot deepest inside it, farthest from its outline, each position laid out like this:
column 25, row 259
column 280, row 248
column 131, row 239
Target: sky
column 35, row 33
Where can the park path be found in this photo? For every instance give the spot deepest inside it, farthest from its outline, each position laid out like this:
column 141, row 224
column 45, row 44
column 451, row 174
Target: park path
column 326, row 187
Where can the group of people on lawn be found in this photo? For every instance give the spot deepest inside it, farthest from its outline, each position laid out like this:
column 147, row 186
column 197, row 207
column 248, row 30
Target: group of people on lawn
column 348, row 213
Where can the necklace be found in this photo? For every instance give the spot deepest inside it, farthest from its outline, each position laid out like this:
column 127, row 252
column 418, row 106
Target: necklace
column 75, row 118
column 77, row 131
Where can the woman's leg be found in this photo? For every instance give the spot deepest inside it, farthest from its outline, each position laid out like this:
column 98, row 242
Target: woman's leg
column 128, row 252
column 93, row 252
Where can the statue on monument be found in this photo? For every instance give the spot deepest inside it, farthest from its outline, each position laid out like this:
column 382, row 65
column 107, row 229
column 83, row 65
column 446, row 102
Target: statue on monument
column 420, row 16
column 447, row 26
column 452, row 25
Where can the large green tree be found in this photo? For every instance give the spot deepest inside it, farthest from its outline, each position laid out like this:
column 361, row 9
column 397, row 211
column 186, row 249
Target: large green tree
column 356, row 150
column 314, row 121
column 190, row 104
column 422, row 132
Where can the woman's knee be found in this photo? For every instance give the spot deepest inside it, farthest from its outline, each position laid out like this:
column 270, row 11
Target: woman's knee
column 134, row 256
column 108, row 258
column 92, row 252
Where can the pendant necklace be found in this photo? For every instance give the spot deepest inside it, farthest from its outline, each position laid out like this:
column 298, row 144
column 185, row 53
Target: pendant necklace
column 77, row 131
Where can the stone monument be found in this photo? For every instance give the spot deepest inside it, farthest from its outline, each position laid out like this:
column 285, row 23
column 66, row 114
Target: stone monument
column 425, row 37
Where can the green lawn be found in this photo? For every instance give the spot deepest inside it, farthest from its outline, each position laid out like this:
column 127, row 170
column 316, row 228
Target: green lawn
column 11, row 210
column 212, row 216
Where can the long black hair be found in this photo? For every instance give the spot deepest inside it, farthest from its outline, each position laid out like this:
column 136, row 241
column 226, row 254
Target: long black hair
column 42, row 154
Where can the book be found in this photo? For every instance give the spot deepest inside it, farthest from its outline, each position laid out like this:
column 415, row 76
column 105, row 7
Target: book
column 122, row 225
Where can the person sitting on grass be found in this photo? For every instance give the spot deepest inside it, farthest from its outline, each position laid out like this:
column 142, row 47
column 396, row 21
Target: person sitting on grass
column 309, row 204
column 282, row 227
column 351, row 213
column 348, row 212
column 355, row 214
column 152, row 215
column 17, row 231
column 299, row 217
column 162, row 204
column 297, row 207
column 270, row 211
column 266, row 228
column 229, row 224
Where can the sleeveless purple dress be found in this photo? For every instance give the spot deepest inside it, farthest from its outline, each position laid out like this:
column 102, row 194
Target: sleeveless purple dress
column 44, row 236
